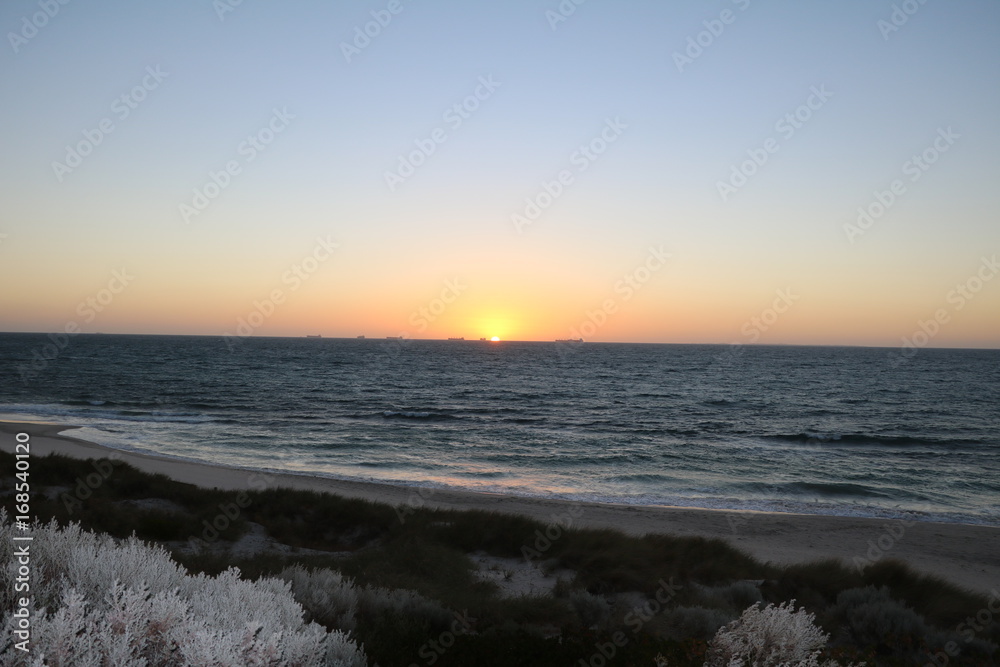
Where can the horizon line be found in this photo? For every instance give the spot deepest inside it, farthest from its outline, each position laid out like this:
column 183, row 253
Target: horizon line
column 487, row 340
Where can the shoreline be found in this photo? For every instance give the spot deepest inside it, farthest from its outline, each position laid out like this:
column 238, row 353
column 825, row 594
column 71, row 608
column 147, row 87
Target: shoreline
column 965, row 554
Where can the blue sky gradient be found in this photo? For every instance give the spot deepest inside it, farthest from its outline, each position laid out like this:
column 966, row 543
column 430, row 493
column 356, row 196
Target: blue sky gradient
column 657, row 184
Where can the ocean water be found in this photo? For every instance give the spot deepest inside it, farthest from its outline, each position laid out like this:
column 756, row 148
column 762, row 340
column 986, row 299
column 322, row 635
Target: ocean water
column 817, row 430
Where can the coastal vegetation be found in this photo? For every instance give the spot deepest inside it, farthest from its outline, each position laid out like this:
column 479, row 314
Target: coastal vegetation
column 441, row 587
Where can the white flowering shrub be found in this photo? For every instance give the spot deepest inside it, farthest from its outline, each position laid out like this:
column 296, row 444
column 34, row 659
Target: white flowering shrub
column 99, row 602
column 769, row 637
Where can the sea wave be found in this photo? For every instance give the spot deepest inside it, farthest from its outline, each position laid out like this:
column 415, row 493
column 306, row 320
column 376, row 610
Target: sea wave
column 92, row 414
column 416, row 414
column 870, row 439
column 831, row 489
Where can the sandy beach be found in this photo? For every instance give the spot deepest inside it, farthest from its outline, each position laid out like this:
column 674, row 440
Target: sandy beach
column 966, row 555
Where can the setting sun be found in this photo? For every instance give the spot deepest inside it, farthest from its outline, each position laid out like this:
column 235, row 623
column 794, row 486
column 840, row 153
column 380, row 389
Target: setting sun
column 495, row 339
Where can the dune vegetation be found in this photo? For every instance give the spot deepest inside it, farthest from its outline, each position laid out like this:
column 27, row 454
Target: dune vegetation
column 164, row 573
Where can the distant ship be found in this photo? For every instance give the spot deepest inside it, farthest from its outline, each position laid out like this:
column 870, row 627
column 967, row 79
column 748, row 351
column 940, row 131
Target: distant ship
column 569, row 340
column 456, row 339
column 394, row 338
column 313, row 336
column 361, row 337
column 482, row 339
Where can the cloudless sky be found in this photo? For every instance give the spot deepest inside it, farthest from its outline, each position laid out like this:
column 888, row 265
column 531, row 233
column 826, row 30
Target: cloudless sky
column 439, row 254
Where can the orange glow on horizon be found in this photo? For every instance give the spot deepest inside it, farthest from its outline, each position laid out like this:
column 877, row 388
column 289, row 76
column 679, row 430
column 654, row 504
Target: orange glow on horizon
column 683, row 307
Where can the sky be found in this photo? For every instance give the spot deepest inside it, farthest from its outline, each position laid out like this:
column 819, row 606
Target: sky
column 728, row 171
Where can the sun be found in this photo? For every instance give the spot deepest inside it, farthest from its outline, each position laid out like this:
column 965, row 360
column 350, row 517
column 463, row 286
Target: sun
column 495, row 339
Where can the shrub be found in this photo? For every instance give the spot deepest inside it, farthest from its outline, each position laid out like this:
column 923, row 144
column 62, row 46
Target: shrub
column 326, row 595
column 683, row 623
column 869, row 617
column 374, row 601
column 735, row 596
column 769, row 637
column 97, row 602
column 593, row 610
column 333, row 600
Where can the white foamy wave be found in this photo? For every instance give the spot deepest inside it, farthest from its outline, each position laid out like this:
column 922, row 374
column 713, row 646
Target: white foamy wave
column 78, row 415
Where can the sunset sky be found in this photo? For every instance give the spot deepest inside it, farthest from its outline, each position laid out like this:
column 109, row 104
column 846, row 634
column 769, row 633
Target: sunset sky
column 697, row 168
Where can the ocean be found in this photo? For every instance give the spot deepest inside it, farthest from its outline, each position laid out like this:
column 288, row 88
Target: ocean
column 814, row 430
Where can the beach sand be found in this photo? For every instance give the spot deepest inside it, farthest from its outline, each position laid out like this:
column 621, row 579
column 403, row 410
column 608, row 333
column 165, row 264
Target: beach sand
column 966, row 555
